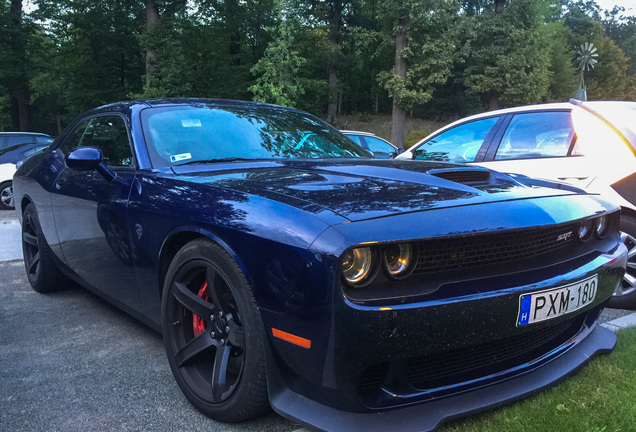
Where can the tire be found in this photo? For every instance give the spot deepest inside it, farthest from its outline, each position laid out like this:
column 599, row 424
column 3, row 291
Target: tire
column 6, row 196
column 43, row 274
column 625, row 295
column 213, row 333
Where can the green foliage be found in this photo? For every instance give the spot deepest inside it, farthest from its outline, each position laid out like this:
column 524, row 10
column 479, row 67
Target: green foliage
column 562, row 73
column 277, row 71
column 508, row 53
column 609, row 79
column 429, row 29
column 67, row 56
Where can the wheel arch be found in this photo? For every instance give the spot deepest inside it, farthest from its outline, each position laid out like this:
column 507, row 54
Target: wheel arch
column 176, row 240
column 24, row 202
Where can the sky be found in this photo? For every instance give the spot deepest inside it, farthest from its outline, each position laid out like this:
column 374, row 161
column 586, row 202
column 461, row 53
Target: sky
column 629, row 5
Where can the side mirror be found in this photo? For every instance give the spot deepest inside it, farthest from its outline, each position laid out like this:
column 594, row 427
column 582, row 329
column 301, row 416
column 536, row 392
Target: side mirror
column 87, row 159
column 84, row 158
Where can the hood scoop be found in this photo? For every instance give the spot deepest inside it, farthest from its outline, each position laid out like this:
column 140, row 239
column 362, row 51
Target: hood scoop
column 466, row 177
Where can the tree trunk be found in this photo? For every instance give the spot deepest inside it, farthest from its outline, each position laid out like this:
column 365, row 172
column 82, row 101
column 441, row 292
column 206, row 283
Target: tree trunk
column 493, row 100
column 335, row 19
column 153, row 21
column 398, row 120
column 19, row 91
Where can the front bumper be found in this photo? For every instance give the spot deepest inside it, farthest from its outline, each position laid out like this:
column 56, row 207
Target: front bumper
column 428, row 416
column 360, row 368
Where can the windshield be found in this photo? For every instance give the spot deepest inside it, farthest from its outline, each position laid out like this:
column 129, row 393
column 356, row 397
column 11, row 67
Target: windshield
column 189, row 134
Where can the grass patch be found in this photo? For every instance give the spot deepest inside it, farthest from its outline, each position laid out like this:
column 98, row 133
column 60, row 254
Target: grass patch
column 600, row 397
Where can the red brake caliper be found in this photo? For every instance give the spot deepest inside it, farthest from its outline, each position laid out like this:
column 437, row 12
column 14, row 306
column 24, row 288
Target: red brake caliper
column 198, row 325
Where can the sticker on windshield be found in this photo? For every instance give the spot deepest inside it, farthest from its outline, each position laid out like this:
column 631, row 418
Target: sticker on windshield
column 191, row 123
column 180, row 157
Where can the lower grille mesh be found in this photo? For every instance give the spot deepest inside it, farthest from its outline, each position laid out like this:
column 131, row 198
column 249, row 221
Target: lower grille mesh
column 461, row 365
column 453, row 367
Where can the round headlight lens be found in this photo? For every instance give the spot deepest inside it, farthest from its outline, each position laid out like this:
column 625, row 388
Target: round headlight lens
column 356, row 265
column 399, row 260
column 602, row 226
column 585, row 229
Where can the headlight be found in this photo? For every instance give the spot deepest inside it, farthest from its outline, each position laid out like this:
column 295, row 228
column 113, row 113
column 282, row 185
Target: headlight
column 585, row 229
column 399, row 260
column 357, row 265
column 602, row 226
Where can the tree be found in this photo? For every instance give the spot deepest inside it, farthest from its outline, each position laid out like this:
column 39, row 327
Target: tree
column 609, row 79
column 14, row 71
column 562, row 73
column 507, row 54
column 277, row 71
column 424, row 47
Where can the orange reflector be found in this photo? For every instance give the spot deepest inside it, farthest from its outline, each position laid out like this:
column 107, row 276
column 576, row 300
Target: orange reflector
column 296, row 340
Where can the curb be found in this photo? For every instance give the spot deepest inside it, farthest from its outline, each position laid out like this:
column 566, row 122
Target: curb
column 621, row 323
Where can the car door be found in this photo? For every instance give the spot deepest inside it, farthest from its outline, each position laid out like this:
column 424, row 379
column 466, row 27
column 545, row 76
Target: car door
column 90, row 212
column 540, row 144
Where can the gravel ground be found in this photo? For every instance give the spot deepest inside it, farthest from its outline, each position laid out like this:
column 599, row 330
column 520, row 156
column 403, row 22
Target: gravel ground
column 69, row 362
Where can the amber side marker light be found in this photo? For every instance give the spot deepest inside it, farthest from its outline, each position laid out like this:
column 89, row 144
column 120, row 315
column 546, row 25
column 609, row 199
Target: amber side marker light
column 288, row 337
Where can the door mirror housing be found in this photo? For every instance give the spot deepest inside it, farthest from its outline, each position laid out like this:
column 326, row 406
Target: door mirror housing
column 87, row 159
column 84, row 158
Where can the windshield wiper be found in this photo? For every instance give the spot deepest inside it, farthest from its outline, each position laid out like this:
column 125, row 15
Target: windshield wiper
column 205, row 161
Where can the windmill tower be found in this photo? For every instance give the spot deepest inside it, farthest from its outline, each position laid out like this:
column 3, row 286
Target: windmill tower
column 586, row 58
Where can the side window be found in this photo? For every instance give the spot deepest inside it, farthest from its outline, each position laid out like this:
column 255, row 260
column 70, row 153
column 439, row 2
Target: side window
column 355, row 139
column 378, row 146
column 107, row 133
column 459, row 144
column 74, row 139
column 20, row 139
column 537, row 135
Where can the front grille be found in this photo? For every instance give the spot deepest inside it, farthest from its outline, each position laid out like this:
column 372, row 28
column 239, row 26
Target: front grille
column 480, row 250
column 466, row 177
column 461, row 365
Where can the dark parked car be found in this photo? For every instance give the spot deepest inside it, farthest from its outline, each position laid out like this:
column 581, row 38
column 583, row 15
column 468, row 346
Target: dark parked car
column 379, row 147
column 285, row 266
column 591, row 145
column 14, row 148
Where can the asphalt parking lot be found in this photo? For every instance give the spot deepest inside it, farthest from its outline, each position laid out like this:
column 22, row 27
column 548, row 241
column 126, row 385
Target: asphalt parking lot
column 69, row 361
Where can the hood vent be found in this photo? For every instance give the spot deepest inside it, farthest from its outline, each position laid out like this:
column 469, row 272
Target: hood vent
column 467, row 177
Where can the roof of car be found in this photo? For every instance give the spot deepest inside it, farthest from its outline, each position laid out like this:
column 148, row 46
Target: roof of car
column 23, row 133
column 537, row 107
column 352, row 132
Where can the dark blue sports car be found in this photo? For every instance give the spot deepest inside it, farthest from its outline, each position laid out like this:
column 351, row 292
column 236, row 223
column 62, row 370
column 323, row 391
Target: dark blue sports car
column 284, row 266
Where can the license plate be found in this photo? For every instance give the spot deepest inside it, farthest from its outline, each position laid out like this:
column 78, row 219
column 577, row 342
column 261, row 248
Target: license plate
column 545, row 305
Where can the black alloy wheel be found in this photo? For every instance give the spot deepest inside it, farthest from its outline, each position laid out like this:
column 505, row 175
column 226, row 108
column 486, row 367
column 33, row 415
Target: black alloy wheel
column 625, row 296
column 40, row 267
column 213, row 333
column 6, row 196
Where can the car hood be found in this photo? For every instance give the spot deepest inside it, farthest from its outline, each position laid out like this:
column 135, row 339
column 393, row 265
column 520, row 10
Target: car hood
column 359, row 189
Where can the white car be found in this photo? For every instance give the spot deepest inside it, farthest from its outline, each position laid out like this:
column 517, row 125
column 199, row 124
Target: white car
column 591, row 145
column 6, row 186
